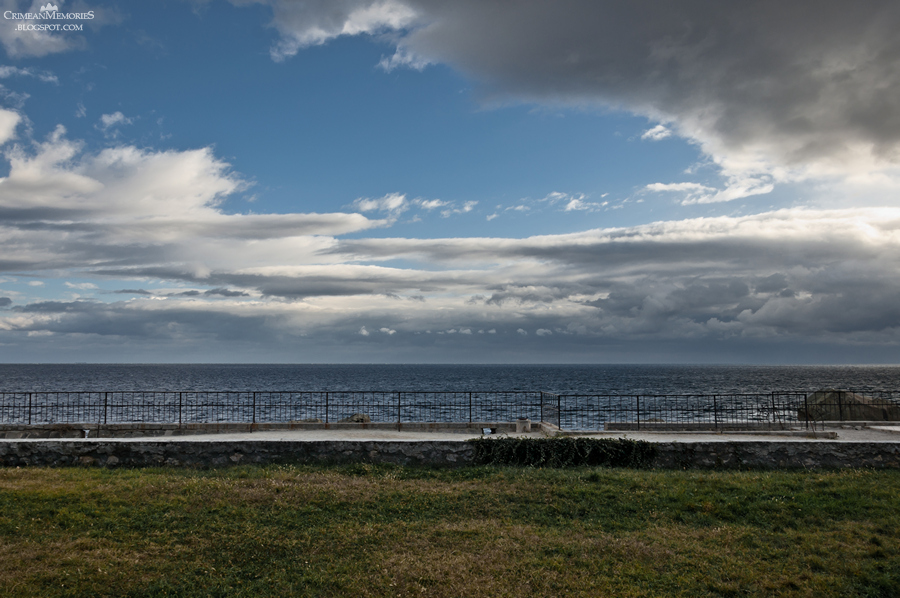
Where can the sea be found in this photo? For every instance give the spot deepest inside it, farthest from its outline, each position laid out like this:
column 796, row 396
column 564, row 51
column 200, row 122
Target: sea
column 562, row 379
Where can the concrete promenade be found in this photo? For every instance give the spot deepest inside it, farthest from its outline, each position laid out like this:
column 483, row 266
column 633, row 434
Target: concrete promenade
column 838, row 432
column 839, row 446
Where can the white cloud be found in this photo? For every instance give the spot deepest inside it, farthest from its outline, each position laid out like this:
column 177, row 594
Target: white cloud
column 657, row 133
column 570, row 202
column 695, row 193
column 313, row 23
column 403, row 58
column 387, row 331
column 465, row 209
column 129, row 207
column 115, row 119
column 737, row 188
column 26, row 44
column 393, row 203
column 363, row 331
column 577, row 203
column 686, row 187
column 9, row 120
column 11, row 71
column 544, row 332
column 431, row 204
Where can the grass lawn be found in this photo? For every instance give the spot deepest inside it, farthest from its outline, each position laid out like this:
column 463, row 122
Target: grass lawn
column 362, row 530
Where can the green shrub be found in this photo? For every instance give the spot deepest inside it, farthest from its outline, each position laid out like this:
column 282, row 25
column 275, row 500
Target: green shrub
column 563, row 452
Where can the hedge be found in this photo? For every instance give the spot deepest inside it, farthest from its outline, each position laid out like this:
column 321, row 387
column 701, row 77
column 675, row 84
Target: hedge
column 563, row 452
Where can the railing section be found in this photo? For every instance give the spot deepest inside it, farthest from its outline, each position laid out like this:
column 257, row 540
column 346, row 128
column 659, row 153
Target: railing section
column 773, row 410
column 700, row 411
column 265, row 406
column 567, row 411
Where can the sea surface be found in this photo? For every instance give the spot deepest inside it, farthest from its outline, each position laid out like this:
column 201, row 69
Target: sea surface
column 601, row 379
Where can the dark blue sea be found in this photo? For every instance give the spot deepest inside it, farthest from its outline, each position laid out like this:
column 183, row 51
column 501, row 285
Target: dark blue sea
column 614, row 379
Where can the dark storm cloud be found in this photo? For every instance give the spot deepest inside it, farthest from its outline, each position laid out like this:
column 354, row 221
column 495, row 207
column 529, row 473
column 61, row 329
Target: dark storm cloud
column 5, row 301
column 801, row 82
column 314, row 282
column 132, row 292
column 210, row 293
column 772, row 283
column 760, row 241
column 772, row 83
column 58, row 307
column 225, row 293
column 95, row 318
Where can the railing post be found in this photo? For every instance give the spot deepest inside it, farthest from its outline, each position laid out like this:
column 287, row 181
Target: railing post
column 806, row 410
column 716, row 411
column 840, row 405
column 105, row 409
column 559, row 411
column 399, row 394
column 470, row 407
column 774, row 421
column 29, row 409
column 180, row 403
column 254, row 408
column 542, row 406
column 638, row 397
column 326, row 408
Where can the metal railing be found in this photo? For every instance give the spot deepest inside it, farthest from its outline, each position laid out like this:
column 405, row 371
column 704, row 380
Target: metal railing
column 706, row 411
column 264, row 407
column 567, row 411
column 721, row 411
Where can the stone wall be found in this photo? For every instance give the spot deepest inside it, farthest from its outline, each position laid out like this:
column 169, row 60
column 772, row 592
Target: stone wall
column 691, row 455
column 777, row 455
column 151, row 453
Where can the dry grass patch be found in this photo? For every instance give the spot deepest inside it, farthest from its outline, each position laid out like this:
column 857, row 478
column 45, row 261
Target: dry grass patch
column 491, row 558
column 389, row 531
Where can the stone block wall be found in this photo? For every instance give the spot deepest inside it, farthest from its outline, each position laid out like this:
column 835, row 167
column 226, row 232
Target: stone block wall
column 677, row 455
column 151, row 453
column 777, row 455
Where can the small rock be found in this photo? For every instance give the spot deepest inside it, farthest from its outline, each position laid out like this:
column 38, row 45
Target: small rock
column 356, row 418
column 112, row 461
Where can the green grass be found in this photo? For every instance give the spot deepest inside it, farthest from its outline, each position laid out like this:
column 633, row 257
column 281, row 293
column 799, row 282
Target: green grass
column 362, row 530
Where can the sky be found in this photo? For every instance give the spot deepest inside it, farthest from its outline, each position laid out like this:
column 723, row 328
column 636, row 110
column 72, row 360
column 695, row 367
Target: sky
column 477, row 181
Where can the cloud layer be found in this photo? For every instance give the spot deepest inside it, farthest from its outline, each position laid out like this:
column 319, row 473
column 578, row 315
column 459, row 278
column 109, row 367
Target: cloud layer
column 166, row 264
column 771, row 91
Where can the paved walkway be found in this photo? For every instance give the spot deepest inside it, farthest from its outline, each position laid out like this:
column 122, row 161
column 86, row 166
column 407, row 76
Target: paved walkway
column 844, row 434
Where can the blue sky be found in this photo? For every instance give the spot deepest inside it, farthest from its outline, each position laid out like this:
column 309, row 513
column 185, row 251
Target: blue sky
column 416, row 181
